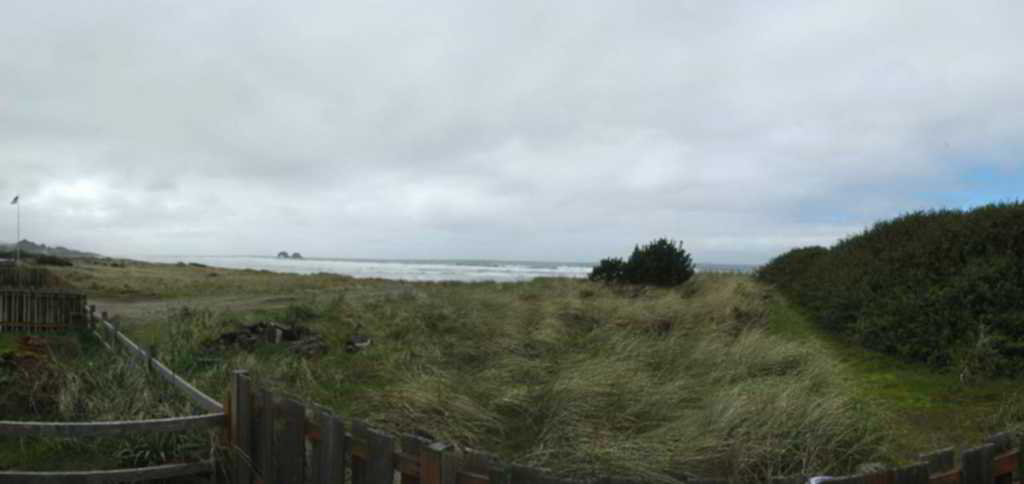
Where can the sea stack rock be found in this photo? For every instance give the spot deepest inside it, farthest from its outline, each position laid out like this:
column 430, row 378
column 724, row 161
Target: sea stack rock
column 296, row 255
column 282, row 255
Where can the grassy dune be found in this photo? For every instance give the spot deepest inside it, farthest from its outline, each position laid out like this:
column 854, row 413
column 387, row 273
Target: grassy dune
column 720, row 377
column 569, row 375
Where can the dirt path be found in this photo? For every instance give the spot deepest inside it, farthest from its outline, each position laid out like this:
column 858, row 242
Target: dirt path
column 142, row 311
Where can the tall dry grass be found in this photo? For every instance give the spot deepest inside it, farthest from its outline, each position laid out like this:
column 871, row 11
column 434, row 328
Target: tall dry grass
column 579, row 378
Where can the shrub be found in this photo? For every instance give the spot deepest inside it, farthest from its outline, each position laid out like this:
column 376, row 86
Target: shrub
column 942, row 287
column 662, row 262
column 608, row 270
column 52, row 260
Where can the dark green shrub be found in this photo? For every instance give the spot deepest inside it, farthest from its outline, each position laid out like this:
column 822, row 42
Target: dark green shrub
column 52, row 260
column 662, row 262
column 942, row 287
column 608, row 270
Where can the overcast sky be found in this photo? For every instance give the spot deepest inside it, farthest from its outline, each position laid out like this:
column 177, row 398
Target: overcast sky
column 553, row 130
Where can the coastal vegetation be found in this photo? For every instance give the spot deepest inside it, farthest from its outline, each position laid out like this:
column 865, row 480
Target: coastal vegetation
column 719, row 376
column 942, row 287
column 661, row 262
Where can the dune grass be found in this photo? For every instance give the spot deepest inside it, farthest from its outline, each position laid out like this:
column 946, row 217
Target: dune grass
column 576, row 377
column 720, row 377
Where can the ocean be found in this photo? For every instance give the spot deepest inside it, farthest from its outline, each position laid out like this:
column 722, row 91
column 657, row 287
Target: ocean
column 413, row 270
column 408, row 270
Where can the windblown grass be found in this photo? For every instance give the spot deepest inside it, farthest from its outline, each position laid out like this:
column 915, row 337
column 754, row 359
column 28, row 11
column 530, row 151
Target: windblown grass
column 576, row 377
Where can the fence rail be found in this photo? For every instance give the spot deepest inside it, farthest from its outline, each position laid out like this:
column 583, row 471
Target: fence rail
column 166, row 471
column 215, row 420
column 117, row 338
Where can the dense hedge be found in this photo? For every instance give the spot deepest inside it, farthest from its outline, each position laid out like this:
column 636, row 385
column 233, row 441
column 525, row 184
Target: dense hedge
column 943, row 287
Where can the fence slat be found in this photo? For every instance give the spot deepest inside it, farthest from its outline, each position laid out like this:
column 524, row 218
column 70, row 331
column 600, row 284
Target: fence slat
column 241, row 427
column 940, row 461
column 292, row 451
column 912, row 474
column 265, row 437
column 332, row 456
column 380, row 465
column 977, row 464
column 411, row 448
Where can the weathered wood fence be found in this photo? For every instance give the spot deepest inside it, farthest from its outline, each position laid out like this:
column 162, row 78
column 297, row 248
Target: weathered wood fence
column 37, row 310
column 31, row 302
column 20, row 276
column 278, row 439
column 215, row 419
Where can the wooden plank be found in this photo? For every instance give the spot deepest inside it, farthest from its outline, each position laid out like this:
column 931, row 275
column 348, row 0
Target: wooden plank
column 114, row 427
column 265, row 437
column 977, row 464
column 333, row 455
column 949, row 477
column 912, row 474
column 380, row 465
column 241, row 427
column 940, row 461
column 499, row 475
column 525, row 475
column 1005, row 465
column 166, row 471
column 291, row 455
column 409, row 461
column 430, row 464
column 360, row 456
column 450, row 466
column 881, row 477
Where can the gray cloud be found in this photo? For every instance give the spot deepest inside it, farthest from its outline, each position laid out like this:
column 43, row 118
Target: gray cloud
column 521, row 130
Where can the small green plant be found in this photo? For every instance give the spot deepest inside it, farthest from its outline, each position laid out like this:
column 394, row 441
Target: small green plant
column 662, row 262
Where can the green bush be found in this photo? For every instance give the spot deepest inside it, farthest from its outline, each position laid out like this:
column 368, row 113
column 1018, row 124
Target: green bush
column 608, row 270
column 52, row 260
column 662, row 262
column 926, row 286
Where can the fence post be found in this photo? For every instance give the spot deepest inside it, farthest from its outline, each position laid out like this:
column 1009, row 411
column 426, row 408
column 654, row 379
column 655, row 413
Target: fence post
column 977, row 465
column 241, row 428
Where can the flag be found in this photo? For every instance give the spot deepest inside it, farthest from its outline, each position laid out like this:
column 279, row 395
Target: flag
column 15, row 201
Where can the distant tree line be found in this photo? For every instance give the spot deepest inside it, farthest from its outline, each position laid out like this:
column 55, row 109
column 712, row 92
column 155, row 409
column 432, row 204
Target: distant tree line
column 662, row 262
column 944, row 287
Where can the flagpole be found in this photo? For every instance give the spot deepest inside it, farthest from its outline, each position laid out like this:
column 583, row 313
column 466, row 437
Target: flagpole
column 17, row 243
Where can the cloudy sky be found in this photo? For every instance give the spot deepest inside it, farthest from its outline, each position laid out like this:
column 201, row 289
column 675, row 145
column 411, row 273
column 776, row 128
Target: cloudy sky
column 549, row 130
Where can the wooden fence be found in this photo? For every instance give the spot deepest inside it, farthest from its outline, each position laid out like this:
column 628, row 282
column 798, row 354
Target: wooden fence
column 215, row 419
column 36, row 310
column 20, row 276
column 278, row 439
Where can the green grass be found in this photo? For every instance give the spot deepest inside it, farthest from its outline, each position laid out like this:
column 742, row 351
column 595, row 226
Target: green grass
column 931, row 409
